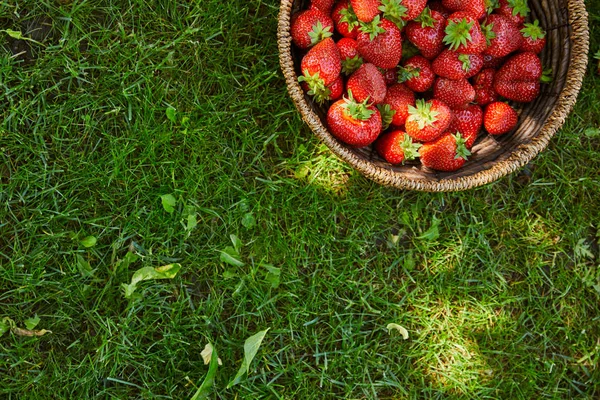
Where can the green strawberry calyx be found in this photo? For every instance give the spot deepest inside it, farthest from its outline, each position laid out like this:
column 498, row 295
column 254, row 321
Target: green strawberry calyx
column 387, row 115
column 461, row 148
column 349, row 17
column 373, row 28
column 597, row 55
column 425, row 18
column 488, row 32
column 408, row 72
column 466, row 62
column 422, row 114
column 319, row 33
column 546, row 76
column 519, row 7
column 394, row 11
column 316, row 86
column 533, row 31
column 357, row 111
column 491, row 5
column 409, row 148
column 349, row 65
column 458, row 33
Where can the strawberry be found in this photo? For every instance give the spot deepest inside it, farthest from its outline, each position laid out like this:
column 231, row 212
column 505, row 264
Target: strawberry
column 367, row 84
column 483, row 83
column 477, row 8
column 491, row 61
column 503, row 35
column 309, row 27
column 397, row 147
column 417, row 74
column 321, row 66
column 456, row 94
column 356, row 124
column 332, row 92
column 390, row 75
column 463, row 33
column 534, row 37
column 365, row 10
column 452, row 65
column 345, row 20
column 515, row 10
column 448, row 153
column 468, row 123
column 519, row 78
column 322, row 5
column 380, row 43
column 499, row 118
column 401, row 11
column 399, row 98
column 439, row 7
column 427, row 33
column 428, row 120
column 351, row 60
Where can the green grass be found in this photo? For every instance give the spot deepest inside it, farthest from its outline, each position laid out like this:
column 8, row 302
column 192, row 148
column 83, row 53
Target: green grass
column 495, row 286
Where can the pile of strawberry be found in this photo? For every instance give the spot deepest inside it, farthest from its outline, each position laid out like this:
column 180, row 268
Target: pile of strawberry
column 417, row 78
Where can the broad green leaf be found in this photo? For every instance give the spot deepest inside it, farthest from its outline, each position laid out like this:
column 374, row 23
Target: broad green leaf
column 399, row 328
column 129, row 259
column 89, row 241
column 168, row 202
column 31, row 323
column 206, row 387
column 149, row 273
column 231, row 256
column 171, row 114
column 251, row 347
column 592, row 132
column 273, row 276
column 248, row 220
column 433, row 232
column 14, row 34
column 84, row 267
column 237, row 243
column 582, row 250
column 192, row 222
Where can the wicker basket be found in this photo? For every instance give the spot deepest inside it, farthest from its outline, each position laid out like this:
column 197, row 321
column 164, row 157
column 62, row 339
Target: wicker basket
column 566, row 53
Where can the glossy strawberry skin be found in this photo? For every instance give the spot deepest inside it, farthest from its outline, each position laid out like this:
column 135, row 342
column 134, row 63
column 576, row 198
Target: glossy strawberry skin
column 533, row 45
column 304, row 22
column 365, row 10
column 385, row 50
column 429, row 40
column 399, row 97
column 519, row 78
column 389, row 146
column 415, row 7
column 424, row 81
column 441, row 154
column 356, row 133
column 483, row 83
column 367, row 83
column 499, row 118
column 478, row 43
column 390, row 75
column 449, row 65
column 437, row 6
column 435, row 130
column 342, row 27
column 506, row 10
column 337, row 89
column 351, row 60
column 325, row 59
column 322, row 5
column 508, row 37
column 456, row 94
column 475, row 7
column 492, row 62
column 468, row 123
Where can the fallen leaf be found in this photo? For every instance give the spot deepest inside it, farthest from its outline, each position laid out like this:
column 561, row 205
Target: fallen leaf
column 29, row 332
column 148, row 273
column 207, row 354
column 205, row 388
column 399, row 328
column 251, row 346
column 31, row 323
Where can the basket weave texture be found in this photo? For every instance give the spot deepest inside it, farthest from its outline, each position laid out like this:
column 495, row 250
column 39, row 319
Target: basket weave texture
column 566, row 52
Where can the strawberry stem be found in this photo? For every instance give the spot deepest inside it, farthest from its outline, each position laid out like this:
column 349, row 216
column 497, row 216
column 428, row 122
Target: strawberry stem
column 409, row 148
column 422, row 114
column 408, row 72
column 533, row 31
column 316, row 86
column 358, row 111
column 393, row 10
column 319, row 33
column 387, row 115
column 488, row 32
column 458, row 33
column 519, row 7
column 349, row 65
column 461, row 148
column 425, row 18
column 373, row 28
column 349, row 17
column 466, row 62
column 546, row 76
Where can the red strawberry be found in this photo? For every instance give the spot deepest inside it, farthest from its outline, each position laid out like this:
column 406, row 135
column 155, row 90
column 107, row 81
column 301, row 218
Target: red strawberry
column 309, row 27
column 396, row 147
column 503, row 35
column 534, row 37
column 483, row 83
column 417, row 74
column 476, row 7
column 345, row 20
column 519, row 78
column 367, row 84
column 390, row 75
column 428, row 120
column 322, row 5
column 456, row 94
column 439, row 7
column 491, row 61
column 452, row 65
column 468, row 123
column 356, row 124
column 448, row 153
column 499, row 118
column 365, row 10
column 400, row 11
column 380, row 43
column 463, row 33
column 321, row 66
column 516, row 10
column 427, row 33
column 332, row 92
column 351, row 60
column 399, row 98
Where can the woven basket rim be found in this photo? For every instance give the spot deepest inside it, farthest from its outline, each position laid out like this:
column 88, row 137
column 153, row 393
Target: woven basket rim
column 524, row 153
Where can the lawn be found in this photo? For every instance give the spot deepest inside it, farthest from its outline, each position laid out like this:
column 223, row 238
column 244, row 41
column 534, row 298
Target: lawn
column 139, row 133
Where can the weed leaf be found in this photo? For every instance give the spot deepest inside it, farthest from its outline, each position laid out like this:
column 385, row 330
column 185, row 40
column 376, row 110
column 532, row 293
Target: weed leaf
column 84, row 267
column 433, row 232
column 251, row 347
column 273, row 276
column 31, row 323
column 149, row 273
column 231, row 256
column 171, row 111
column 248, row 220
column 129, row 259
column 168, row 202
column 237, row 243
column 192, row 222
column 89, row 241
column 5, row 325
column 399, row 328
column 206, row 387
